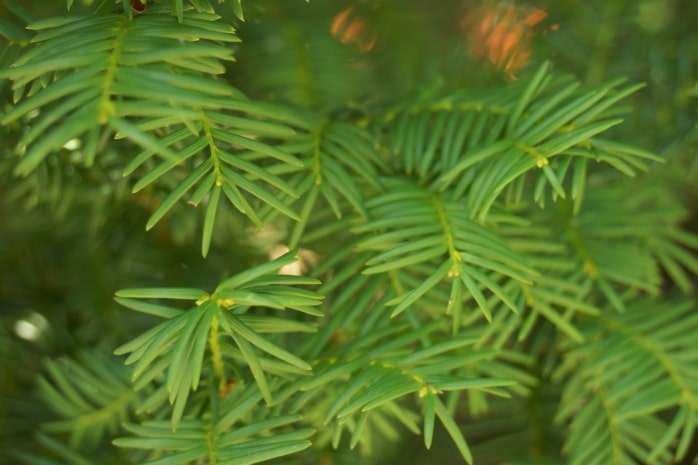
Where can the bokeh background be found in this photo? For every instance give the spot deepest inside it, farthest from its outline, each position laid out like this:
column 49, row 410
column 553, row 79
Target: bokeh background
column 69, row 237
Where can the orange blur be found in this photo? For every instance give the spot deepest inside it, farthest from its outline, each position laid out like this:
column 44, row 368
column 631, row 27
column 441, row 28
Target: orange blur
column 352, row 29
column 502, row 33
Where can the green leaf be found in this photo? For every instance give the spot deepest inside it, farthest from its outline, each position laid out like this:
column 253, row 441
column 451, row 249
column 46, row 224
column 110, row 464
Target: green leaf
column 577, row 136
column 189, row 349
column 202, row 190
column 231, row 437
column 246, row 298
column 554, row 123
column 287, row 280
column 559, row 321
column 255, row 339
column 407, row 249
column 237, row 9
column 209, row 220
column 255, row 367
column 448, row 383
column 178, row 10
column 389, row 395
column 477, row 295
column 55, row 447
column 391, row 385
column 491, row 285
column 669, row 435
column 260, row 451
column 686, row 436
column 90, row 393
column 554, row 181
column 652, row 399
column 253, row 188
column 479, row 155
column 72, row 127
column 406, row 261
column 269, row 324
column 424, row 355
column 251, row 125
column 340, row 371
column 257, row 172
column 404, row 301
column 429, row 404
column 453, row 430
column 358, row 430
column 192, row 178
column 353, row 386
column 528, row 94
column 173, row 293
column 81, row 83
column 251, row 274
column 542, row 110
column 241, row 407
column 165, row 167
column 148, row 142
column 305, row 213
column 258, row 147
column 148, row 308
column 143, row 339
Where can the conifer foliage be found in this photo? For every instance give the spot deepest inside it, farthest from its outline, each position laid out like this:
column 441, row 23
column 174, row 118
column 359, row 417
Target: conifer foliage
column 354, row 236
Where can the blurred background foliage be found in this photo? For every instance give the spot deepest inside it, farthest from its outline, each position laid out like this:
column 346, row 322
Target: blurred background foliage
column 70, row 235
